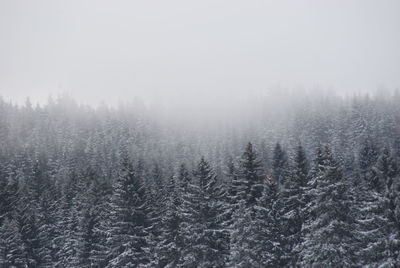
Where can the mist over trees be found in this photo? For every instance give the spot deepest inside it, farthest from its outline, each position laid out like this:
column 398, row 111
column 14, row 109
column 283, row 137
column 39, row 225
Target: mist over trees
column 294, row 183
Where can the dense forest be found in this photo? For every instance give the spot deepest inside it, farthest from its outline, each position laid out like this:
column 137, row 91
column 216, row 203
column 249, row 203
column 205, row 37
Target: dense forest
column 311, row 182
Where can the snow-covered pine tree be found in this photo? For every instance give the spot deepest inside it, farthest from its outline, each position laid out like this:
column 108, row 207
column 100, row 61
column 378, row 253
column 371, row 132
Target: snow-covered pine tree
column 4, row 206
column 383, row 172
column 293, row 197
column 243, row 244
column 248, row 181
column 67, row 238
column 373, row 227
column 183, row 180
column 156, row 198
column 100, row 250
column 9, row 195
column 216, row 237
column 230, row 171
column 92, row 242
column 169, row 246
column 12, row 248
column 264, row 156
column 47, row 228
column 280, row 165
column 245, row 189
column 367, row 157
column 269, row 228
column 191, row 226
column 26, row 218
column 129, row 220
column 328, row 234
column 203, row 208
column 384, row 240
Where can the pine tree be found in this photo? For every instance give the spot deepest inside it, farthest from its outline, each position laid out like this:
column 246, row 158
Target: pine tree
column 9, row 196
column 379, row 214
column 368, row 155
column 264, row 156
column 243, row 243
column 169, row 246
column 156, row 211
column 191, row 226
column 373, row 228
column 383, row 172
column 183, row 180
column 248, row 182
column 328, row 233
column 4, row 206
column 26, row 218
column 47, row 228
column 12, row 249
column 294, row 202
column 269, row 233
column 129, row 222
column 280, row 166
column 92, row 242
column 202, row 228
column 67, row 238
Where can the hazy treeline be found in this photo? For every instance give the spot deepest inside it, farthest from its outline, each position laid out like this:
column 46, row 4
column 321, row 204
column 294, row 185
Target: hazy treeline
column 317, row 185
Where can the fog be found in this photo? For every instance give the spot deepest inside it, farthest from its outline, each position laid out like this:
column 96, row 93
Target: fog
column 208, row 133
column 195, row 53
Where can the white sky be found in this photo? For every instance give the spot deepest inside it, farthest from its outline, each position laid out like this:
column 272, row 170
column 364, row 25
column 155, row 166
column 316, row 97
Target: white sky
column 115, row 50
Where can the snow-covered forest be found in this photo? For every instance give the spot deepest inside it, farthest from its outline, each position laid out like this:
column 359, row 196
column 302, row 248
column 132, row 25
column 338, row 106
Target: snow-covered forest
column 306, row 183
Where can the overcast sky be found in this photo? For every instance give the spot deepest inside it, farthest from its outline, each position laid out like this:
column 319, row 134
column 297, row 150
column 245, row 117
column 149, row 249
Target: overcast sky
column 114, row 50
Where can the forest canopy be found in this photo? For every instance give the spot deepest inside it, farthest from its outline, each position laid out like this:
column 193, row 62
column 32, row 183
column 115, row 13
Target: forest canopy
column 300, row 183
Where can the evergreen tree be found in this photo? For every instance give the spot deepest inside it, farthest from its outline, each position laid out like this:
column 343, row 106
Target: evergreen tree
column 26, row 218
column 47, row 228
column 382, row 221
column 328, row 233
column 92, row 242
column 373, row 228
column 169, row 245
column 202, row 226
column 67, row 238
column 243, row 245
column 368, row 155
column 156, row 210
column 280, row 165
column 294, row 203
column 270, row 230
column 12, row 248
column 248, row 182
column 9, row 196
column 183, row 180
column 264, row 156
column 129, row 222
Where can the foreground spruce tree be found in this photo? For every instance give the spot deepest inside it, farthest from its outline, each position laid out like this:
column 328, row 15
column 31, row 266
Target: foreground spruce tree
column 92, row 241
column 378, row 218
column 12, row 249
column 294, row 200
column 169, row 245
column 329, row 236
column 127, row 238
column 243, row 242
column 269, row 232
column 248, row 181
column 374, row 228
column 203, row 230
